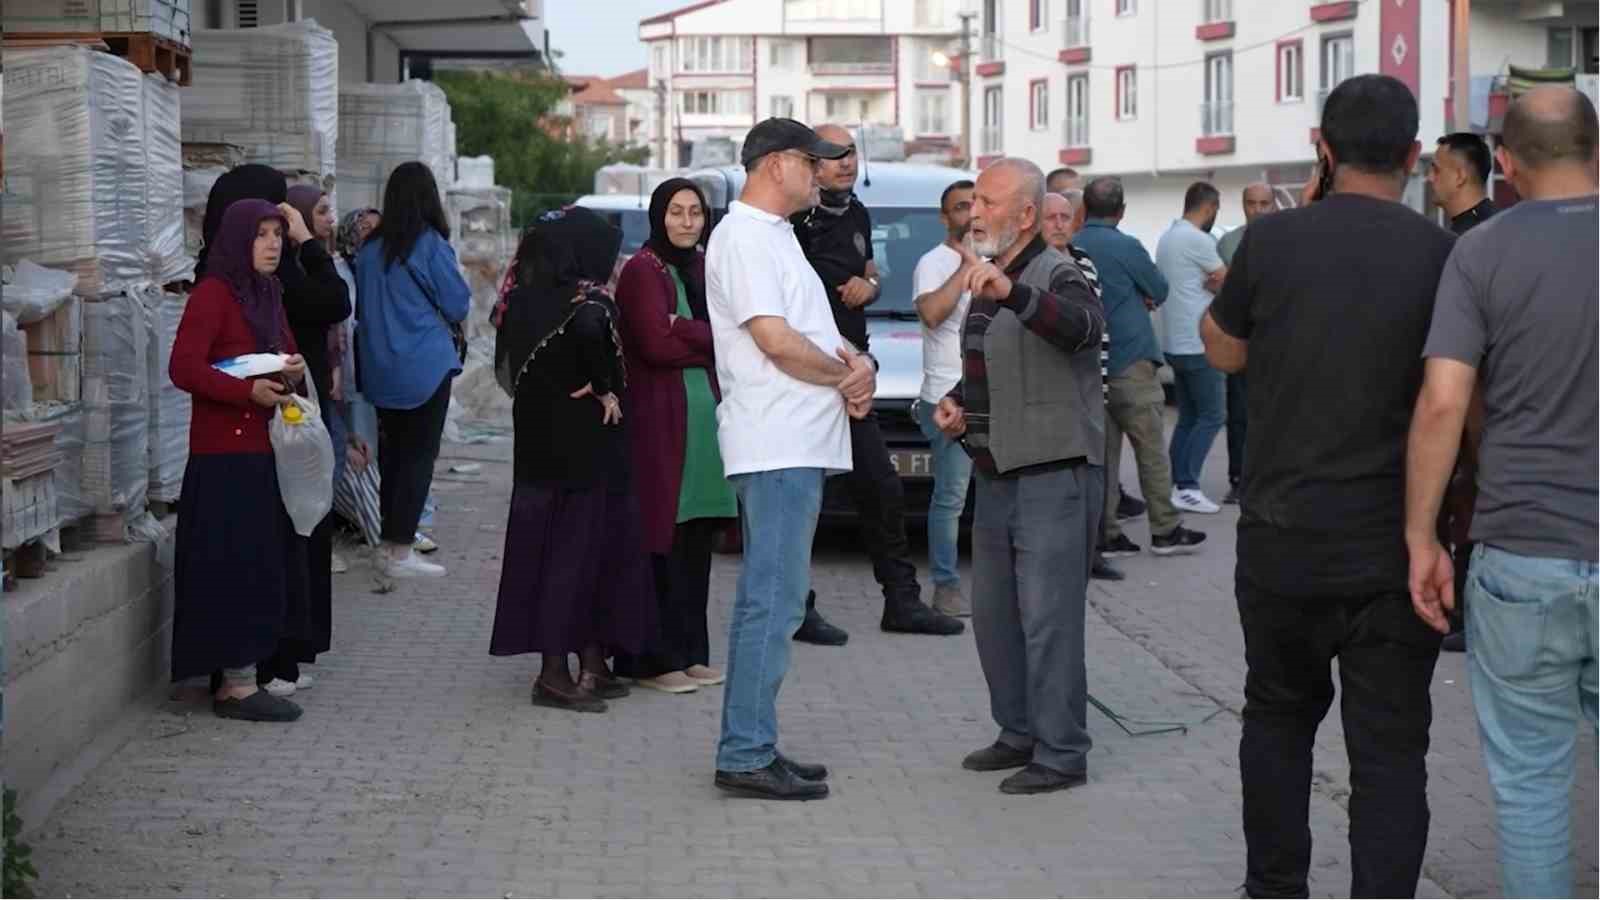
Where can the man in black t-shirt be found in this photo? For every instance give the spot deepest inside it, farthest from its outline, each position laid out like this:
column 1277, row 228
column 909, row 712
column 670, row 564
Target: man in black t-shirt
column 836, row 236
column 1330, row 304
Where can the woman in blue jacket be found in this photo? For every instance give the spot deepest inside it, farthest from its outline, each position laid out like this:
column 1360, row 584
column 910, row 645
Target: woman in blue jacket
column 409, row 294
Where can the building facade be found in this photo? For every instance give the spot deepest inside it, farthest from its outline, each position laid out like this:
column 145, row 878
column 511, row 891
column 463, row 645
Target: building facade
column 723, row 65
column 1166, row 92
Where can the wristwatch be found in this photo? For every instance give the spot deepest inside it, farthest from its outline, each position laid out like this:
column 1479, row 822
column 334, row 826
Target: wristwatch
column 876, row 286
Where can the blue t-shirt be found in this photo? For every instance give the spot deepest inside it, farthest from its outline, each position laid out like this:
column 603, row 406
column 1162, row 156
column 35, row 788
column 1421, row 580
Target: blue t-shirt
column 1185, row 255
column 405, row 347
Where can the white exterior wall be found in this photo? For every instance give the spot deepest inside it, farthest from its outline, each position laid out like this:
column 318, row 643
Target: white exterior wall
column 1499, row 37
column 892, row 94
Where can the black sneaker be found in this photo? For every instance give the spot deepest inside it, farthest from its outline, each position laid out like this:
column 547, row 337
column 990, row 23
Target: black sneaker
column 817, row 630
column 1233, row 496
column 1129, row 507
column 1178, row 540
column 258, row 707
column 775, row 782
column 1104, row 571
column 915, row 617
column 1119, row 548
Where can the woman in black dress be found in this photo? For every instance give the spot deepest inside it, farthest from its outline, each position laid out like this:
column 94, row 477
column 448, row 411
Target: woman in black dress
column 575, row 578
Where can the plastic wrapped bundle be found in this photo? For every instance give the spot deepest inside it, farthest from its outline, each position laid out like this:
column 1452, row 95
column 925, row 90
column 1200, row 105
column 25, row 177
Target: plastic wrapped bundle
column 167, row 18
column 15, row 383
column 166, row 257
column 480, row 224
column 197, row 185
column 384, row 125
column 273, row 91
column 169, row 407
column 474, row 172
column 116, row 415
column 75, row 166
column 70, row 502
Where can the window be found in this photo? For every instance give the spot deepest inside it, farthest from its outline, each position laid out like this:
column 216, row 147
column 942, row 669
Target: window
column 659, row 65
column 1218, row 11
column 783, row 107
column 1037, row 15
column 846, row 106
column 599, row 126
column 846, row 55
column 1127, row 7
column 929, row 14
column 715, row 103
column 1291, row 72
column 784, row 54
column 993, row 104
column 933, row 112
column 1077, row 23
column 1216, row 116
column 715, row 54
column 1078, row 110
column 835, row 10
column 1039, row 105
column 923, row 67
column 1127, row 93
column 1338, row 60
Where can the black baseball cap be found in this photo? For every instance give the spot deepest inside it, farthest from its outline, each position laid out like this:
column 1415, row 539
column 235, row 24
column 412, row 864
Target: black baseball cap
column 777, row 135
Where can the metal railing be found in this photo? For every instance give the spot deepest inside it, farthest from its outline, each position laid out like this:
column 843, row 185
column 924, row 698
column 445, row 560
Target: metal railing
column 1077, row 32
column 1076, row 132
column 852, row 68
column 1216, row 119
column 991, row 139
column 991, row 48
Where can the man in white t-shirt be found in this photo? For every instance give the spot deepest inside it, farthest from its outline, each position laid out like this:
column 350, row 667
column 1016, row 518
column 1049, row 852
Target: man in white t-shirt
column 941, row 301
column 789, row 381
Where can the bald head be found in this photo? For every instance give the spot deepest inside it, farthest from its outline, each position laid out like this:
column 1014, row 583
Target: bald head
column 1258, row 201
column 837, row 174
column 1550, row 126
column 1056, row 221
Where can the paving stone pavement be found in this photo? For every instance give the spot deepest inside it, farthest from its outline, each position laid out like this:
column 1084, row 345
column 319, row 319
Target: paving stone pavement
column 420, row 769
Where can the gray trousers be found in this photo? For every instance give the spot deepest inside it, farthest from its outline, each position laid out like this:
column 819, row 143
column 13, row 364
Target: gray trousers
column 1033, row 540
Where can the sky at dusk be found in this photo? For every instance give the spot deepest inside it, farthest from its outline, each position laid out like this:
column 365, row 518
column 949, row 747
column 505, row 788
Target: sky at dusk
column 601, row 37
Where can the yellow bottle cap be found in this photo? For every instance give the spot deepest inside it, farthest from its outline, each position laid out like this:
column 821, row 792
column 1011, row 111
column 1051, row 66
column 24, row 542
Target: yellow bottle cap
column 291, row 415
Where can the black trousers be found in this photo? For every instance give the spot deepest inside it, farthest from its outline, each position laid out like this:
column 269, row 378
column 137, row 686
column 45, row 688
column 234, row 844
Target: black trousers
column 1386, row 657
column 683, row 588
column 1238, row 420
column 881, row 510
column 408, row 446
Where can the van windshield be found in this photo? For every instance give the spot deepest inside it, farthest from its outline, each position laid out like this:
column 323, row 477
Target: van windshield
column 900, row 236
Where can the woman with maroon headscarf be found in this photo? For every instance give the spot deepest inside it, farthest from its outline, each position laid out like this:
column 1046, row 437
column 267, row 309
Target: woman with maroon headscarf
column 240, row 570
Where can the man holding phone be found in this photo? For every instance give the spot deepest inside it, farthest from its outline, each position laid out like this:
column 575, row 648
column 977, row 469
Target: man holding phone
column 1334, row 343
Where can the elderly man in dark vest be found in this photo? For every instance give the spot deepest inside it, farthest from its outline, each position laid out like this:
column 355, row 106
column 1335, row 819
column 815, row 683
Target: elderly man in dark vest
column 1029, row 410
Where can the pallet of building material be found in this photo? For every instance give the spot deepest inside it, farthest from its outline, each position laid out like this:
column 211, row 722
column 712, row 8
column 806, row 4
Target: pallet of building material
column 273, row 91
column 210, row 155
column 151, row 53
column 55, row 345
column 27, row 450
column 167, row 258
column 74, row 193
column 116, row 418
column 169, row 407
column 480, row 224
column 384, row 125
column 170, row 19
column 28, row 509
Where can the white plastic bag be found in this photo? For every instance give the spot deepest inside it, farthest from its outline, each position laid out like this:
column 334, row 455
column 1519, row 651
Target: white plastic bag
column 34, row 291
column 303, row 453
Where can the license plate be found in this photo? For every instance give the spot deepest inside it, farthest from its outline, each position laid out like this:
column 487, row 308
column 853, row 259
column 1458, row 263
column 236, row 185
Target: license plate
column 912, row 463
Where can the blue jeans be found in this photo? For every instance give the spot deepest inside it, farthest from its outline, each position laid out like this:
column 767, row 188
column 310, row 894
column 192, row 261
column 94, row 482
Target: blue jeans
column 1531, row 656
column 779, row 520
column 952, row 474
column 1202, row 410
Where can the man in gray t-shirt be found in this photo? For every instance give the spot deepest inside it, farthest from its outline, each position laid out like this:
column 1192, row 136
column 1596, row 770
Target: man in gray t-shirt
column 1516, row 308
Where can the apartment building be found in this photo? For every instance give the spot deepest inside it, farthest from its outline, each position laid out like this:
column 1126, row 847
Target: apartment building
column 1164, row 92
column 724, row 65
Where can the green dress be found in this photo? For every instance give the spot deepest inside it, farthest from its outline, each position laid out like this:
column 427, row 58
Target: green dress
column 705, row 492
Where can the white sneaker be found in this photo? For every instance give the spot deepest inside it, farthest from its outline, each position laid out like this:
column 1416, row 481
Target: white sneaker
column 338, row 565
column 1191, row 500
column 424, row 544
column 411, row 566
column 277, row 687
column 305, row 683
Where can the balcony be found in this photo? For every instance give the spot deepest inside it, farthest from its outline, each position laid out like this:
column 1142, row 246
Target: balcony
column 1334, row 12
column 1216, row 129
column 1076, row 51
column 851, row 68
column 1216, row 21
column 991, row 56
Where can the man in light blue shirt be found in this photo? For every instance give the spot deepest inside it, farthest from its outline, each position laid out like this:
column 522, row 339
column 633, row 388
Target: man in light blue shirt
column 1187, row 256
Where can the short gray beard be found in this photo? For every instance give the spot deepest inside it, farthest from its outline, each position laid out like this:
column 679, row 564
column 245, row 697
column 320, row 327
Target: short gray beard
column 997, row 242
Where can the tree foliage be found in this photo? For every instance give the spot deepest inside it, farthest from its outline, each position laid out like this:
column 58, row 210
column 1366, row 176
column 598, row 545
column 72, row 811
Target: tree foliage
column 512, row 116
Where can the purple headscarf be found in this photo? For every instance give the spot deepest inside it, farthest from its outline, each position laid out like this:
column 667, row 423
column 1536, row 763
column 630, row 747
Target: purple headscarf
column 304, row 197
column 233, row 261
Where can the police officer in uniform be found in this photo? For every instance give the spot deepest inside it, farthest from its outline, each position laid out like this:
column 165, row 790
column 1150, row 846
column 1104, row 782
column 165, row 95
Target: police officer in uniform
column 836, row 236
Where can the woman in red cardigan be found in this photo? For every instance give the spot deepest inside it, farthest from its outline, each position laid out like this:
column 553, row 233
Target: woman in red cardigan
column 684, row 497
column 240, row 570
